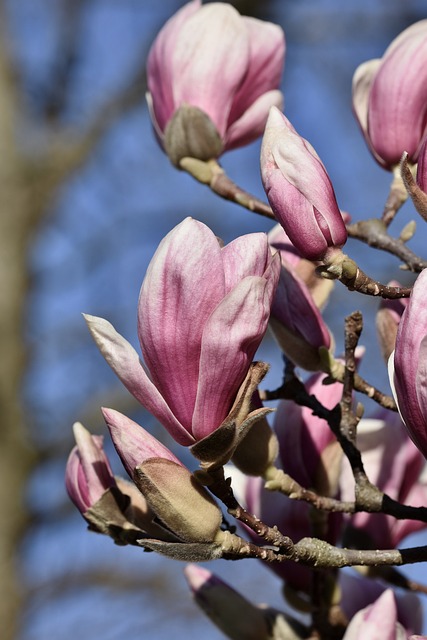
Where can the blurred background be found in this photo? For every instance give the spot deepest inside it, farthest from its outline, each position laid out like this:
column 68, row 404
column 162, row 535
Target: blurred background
column 86, row 195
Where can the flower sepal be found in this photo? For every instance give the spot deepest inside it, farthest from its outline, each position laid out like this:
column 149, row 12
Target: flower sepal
column 190, row 133
column 216, row 449
column 108, row 516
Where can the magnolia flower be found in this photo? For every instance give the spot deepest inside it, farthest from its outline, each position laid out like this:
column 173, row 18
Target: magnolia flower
column 395, row 466
column 203, row 310
column 379, row 620
column 390, row 97
column 299, row 190
column 212, row 77
column 408, row 365
column 297, row 323
column 306, row 440
column 88, row 473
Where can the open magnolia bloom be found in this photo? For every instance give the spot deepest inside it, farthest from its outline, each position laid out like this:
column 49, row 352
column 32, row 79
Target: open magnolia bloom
column 203, row 310
column 212, row 77
column 390, row 97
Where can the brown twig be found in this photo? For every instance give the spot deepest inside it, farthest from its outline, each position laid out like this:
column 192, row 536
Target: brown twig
column 214, row 176
column 374, row 233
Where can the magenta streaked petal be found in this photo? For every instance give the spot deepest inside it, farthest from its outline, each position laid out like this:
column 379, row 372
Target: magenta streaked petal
column 133, row 443
column 247, row 255
column 230, row 338
column 183, row 285
column 126, row 364
column 159, row 64
column 211, row 58
column 251, row 123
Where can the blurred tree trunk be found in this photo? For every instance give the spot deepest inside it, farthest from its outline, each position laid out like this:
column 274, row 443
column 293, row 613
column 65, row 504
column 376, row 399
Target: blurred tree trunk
column 28, row 184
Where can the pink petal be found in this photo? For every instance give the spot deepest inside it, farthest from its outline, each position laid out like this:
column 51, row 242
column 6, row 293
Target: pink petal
column 398, row 97
column 379, row 620
column 183, row 284
column 295, row 308
column 210, row 59
column 126, row 364
column 230, row 338
column 251, row 123
column 160, row 74
column 266, row 61
column 247, row 255
column 133, row 443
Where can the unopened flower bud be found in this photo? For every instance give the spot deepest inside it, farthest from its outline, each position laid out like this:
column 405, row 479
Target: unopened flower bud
column 299, row 190
column 88, row 474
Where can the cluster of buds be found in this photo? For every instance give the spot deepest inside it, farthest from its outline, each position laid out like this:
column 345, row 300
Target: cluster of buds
column 204, row 308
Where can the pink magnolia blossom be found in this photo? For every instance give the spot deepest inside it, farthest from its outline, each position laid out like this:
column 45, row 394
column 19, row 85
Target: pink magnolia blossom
column 223, row 68
column 408, row 366
column 378, row 620
column 299, row 190
column 88, row 473
column 390, row 97
column 304, row 437
column 297, row 323
column 395, row 465
column 202, row 313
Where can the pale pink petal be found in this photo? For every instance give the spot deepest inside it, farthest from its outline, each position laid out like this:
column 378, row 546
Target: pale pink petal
column 362, row 81
column 183, row 284
column 210, row 60
column 126, row 364
column 247, row 255
column 230, row 338
column 398, row 98
column 251, row 123
column 133, row 443
column 266, row 61
column 160, row 74
column 379, row 620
